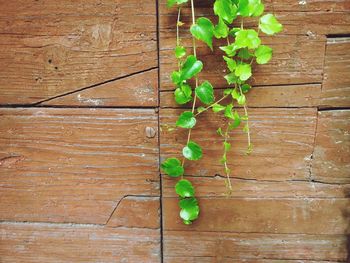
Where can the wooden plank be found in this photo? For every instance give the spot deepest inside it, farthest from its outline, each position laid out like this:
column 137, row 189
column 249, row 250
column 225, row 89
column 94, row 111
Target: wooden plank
column 51, row 48
column 283, row 144
column 331, row 158
column 77, row 243
column 262, row 248
column 190, row 259
column 76, row 165
column 269, row 96
column 336, row 82
column 137, row 90
column 268, row 215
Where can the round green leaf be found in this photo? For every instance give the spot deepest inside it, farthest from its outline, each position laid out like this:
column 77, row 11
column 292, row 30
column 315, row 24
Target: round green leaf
column 180, row 51
column 245, row 88
column 241, row 99
column 192, row 151
column 183, row 94
column 189, row 209
column 247, row 38
column 203, row 30
column 186, row 120
column 205, row 92
column 172, row 167
column 269, row 24
column 184, row 188
column 225, row 10
column 243, row 71
column 263, row 54
column 190, row 68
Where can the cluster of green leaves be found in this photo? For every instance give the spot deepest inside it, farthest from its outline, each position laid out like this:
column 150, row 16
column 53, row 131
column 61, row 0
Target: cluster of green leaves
column 242, row 50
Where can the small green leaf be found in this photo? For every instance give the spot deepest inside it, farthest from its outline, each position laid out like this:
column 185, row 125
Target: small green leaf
column 256, row 8
column 225, row 10
column 180, row 51
column 192, row 151
column 221, row 29
column 190, row 68
column 228, row 111
column 227, row 146
column 219, row 132
column 244, row 53
column 184, row 188
column 205, row 92
column 176, row 77
column 241, row 100
column 235, row 94
column 203, row 30
column 228, row 91
column 231, row 64
column 183, row 94
column 230, row 50
column 263, row 54
column 270, row 25
column 245, row 88
column 236, row 121
column 186, row 120
column 172, row 167
column 247, row 38
column 189, row 209
column 217, row 108
column 171, row 3
column 243, row 8
column 231, row 78
column 243, row 71
column 200, row 109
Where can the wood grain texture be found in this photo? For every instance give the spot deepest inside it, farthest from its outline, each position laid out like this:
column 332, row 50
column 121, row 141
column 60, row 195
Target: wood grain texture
column 262, row 248
column 283, row 141
column 336, row 82
column 76, row 165
column 137, row 90
column 50, row 48
column 331, row 159
column 77, row 243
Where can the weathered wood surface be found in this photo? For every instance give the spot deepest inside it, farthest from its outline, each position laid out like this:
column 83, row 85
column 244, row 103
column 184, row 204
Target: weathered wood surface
column 54, row 243
column 336, row 82
column 52, row 48
column 77, row 165
column 283, row 144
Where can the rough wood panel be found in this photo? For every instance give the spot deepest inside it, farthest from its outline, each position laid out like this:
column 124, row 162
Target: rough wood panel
column 50, row 48
column 331, row 158
column 235, row 247
column 199, row 259
column 283, row 144
column 269, row 96
column 257, row 215
column 336, row 82
column 77, row 243
column 137, row 90
column 75, row 165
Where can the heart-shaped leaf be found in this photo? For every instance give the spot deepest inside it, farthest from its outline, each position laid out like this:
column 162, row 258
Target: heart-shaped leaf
column 221, row 29
column 203, row 30
column 184, row 188
column 180, row 51
column 172, row 167
column 243, row 71
column 192, row 151
column 186, row 120
column 183, row 94
column 225, row 10
column 263, row 54
column 270, row 25
column 247, row 38
column 190, row 68
column 217, row 108
column 205, row 92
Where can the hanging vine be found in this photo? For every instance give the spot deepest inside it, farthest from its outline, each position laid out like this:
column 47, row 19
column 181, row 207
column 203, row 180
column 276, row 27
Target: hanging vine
column 242, row 50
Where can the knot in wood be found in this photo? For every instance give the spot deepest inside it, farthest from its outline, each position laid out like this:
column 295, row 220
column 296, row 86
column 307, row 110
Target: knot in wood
column 150, row 132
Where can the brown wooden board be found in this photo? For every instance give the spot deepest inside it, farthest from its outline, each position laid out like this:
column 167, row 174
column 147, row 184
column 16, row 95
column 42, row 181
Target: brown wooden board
column 79, row 165
column 51, row 48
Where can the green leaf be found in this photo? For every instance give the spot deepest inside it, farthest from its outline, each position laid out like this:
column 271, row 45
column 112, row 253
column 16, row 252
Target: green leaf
column 190, row 68
column 180, row 51
column 228, row 91
column 171, row 3
column 217, row 108
column 244, row 53
column 263, row 54
column 235, row 94
column 227, row 146
column 189, row 209
column 183, row 94
column 270, row 25
column 192, row 151
column 230, row 50
column 221, row 29
column 245, row 88
column 219, row 132
column 236, row 121
column 241, row 100
column 200, row 109
column 176, row 77
column 184, row 188
column 203, row 30
column 186, row 120
column 225, row 10
column 231, row 64
column 205, row 92
column 228, row 111
column 247, row 38
column 231, row 78
column 243, row 8
column 172, row 167
column 243, row 71
column 256, row 8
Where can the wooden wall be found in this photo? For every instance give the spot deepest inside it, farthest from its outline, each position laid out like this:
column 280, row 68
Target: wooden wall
column 84, row 86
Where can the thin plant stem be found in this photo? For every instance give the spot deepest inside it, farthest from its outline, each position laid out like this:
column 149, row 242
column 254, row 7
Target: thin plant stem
column 212, row 105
